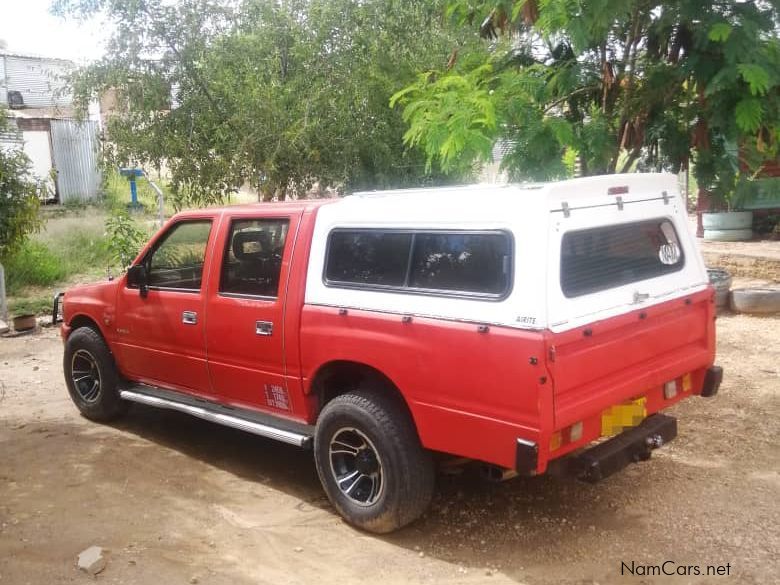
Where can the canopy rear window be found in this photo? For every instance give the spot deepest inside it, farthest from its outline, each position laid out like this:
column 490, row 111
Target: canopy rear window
column 609, row 256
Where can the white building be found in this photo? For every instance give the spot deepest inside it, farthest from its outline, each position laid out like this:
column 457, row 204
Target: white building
column 63, row 151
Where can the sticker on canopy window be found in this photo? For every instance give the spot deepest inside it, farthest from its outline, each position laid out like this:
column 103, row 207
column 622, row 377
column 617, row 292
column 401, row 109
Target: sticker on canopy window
column 277, row 397
column 669, row 253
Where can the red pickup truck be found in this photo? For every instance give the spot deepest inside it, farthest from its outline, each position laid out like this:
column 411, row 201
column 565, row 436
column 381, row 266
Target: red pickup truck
column 525, row 328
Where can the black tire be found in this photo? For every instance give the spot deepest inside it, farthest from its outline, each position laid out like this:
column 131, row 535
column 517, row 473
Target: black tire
column 406, row 471
column 91, row 376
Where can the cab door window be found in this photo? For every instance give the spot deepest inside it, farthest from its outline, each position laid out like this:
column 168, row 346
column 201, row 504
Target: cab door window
column 252, row 263
column 177, row 261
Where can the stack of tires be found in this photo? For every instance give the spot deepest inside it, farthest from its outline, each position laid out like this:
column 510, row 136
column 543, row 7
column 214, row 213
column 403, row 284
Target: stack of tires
column 762, row 300
column 731, row 226
column 721, row 280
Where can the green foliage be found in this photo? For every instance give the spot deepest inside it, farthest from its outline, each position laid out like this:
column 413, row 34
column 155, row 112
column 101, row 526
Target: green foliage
column 755, row 76
column 124, row 238
column 18, row 198
column 748, row 114
column 720, row 32
column 624, row 84
column 451, row 118
column 68, row 247
column 279, row 95
column 32, row 264
column 38, row 304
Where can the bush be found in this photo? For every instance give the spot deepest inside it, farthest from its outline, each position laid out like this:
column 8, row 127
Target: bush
column 32, row 264
column 125, row 238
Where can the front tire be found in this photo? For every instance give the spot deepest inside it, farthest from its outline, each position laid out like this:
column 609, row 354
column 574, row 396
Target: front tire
column 91, row 376
column 370, row 461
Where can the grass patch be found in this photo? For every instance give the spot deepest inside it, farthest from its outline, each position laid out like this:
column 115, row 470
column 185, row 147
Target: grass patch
column 32, row 265
column 70, row 248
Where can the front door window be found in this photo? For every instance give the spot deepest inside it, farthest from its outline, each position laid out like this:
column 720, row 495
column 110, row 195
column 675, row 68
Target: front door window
column 177, row 261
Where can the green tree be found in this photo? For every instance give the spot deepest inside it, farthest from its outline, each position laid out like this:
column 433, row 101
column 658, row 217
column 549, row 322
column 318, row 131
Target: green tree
column 280, row 95
column 18, row 203
column 18, row 197
column 620, row 84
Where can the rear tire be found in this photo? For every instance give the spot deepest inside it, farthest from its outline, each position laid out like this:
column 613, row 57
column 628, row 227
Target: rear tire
column 92, row 377
column 371, row 463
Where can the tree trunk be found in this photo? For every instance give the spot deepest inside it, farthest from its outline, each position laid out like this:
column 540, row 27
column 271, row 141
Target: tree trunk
column 266, row 193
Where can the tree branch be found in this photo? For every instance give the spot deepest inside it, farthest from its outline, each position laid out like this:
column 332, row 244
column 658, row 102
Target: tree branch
column 632, row 45
column 569, row 96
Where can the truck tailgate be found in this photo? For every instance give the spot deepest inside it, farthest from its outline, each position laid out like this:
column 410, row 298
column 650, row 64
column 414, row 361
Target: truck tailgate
column 610, row 361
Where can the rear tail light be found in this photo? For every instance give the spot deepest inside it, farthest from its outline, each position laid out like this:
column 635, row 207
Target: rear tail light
column 670, row 389
column 565, row 436
column 679, row 386
column 575, row 432
column 556, row 441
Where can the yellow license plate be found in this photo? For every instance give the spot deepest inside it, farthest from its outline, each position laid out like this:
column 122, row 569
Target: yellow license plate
column 616, row 419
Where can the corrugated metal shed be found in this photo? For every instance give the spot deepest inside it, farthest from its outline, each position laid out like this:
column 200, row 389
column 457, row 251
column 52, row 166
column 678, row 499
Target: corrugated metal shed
column 3, row 92
column 75, row 147
column 40, row 80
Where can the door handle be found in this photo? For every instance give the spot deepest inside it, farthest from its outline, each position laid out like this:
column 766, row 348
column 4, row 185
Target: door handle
column 189, row 317
column 264, row 327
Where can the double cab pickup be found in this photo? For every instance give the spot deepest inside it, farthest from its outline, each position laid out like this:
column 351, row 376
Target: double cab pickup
column 527, row 328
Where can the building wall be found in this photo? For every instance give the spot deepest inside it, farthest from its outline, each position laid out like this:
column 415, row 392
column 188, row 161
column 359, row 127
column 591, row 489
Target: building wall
column 41, row 81
column 3, row 92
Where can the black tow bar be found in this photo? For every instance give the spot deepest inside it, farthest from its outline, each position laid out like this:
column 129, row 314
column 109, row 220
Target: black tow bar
column 630, row 446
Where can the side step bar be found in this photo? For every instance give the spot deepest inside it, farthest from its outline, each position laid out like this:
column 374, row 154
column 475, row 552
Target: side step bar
column 261, row 424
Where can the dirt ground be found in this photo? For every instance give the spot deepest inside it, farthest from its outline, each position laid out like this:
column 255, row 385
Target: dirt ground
column 178, row 500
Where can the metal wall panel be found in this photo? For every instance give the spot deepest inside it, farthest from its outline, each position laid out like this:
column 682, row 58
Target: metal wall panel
column 3, row 92
column 40, row 81
column 75, row 146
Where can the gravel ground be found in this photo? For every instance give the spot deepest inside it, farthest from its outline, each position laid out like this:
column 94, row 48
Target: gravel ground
column 177, row 500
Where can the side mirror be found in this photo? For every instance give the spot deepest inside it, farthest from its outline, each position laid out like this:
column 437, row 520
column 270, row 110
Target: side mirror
column 137, row 277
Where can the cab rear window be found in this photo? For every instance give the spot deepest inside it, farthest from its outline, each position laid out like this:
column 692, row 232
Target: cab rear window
column 606, row 257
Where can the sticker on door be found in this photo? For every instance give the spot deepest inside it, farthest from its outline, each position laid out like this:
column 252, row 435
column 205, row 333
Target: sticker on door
column 277, row 397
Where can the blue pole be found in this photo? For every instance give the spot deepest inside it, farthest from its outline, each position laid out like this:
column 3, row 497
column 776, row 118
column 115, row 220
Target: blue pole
column 133, row 192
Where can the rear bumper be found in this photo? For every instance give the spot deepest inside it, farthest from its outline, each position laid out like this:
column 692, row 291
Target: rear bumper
column 631, row 446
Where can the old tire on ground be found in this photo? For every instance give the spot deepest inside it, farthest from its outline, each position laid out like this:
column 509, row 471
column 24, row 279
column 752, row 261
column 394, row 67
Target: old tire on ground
column 371, row 463
column 727, row 220
column 756, row 300
column 91, row 376
column 736, row 235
